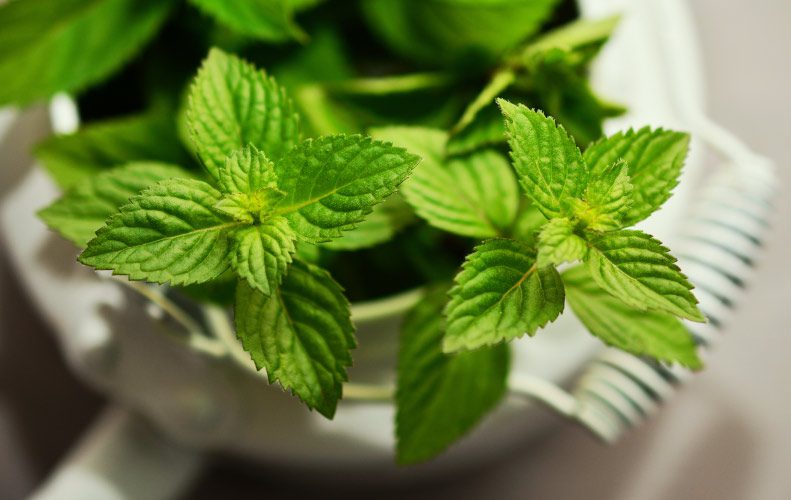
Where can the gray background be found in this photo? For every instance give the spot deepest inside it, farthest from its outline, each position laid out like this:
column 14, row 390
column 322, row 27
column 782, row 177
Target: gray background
column 727, row 435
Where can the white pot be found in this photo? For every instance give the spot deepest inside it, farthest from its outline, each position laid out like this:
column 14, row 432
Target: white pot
column 111, row 339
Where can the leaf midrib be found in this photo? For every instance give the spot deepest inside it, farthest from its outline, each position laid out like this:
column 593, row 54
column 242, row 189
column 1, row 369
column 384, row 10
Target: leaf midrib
column 221, row 227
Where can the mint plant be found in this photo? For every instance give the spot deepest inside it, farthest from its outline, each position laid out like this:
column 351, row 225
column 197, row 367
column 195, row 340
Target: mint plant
column 248, row 215
column 628, row 291
column 371, row 157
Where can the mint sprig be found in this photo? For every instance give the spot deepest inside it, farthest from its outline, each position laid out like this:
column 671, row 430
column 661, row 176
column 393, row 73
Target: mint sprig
column 510, row 287
column 259, row 200
column 628, row 292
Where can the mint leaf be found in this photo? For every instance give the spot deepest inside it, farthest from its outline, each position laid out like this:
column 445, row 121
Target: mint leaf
column 582, row 34
column 655, row 158
column 558, row 243
column 642, row 333
column 333, row 182
column 267, row 20
column 549, row 165
column 455, row 32
column 262, row 253
column 441, row 397
column 247, row 170
column 232, row 105
column 475, row 195
column 111, row 143
column 167, row 233
column 79, row 213
column 67, row 45
column 499, row 295
column 637, row 269
column 608, row 198
column 386, row 219
column 301, row 335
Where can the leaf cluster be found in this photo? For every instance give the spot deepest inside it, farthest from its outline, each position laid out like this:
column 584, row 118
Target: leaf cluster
column 259, row 182
column 256, row 204
column 574, row 207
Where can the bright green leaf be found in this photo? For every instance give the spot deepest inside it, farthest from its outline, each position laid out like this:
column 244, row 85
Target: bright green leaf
column 608, row 198
column 267, row 20
column 642, row 333
column 577, row 35
column 475, row 195
column 168, row 233
column 549, row 165
column 637, row 269
column 101, row 145
column 65, row 45
column 247, row 170
column 232, row 105
column 441, row 397
column 655, row 158
column 499, row 295
column 301, row 335
column 262, row 253
column 455, row 32
column 79, row 213
column 558, row 243
column 333, row 182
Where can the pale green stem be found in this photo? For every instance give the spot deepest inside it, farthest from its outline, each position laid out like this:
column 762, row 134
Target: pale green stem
column 195, row 339
column 392, row 84
column 501, row 80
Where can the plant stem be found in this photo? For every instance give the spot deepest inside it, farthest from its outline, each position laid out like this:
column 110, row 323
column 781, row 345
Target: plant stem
column 195, row 338
column 500, row 81
column 392, row 84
